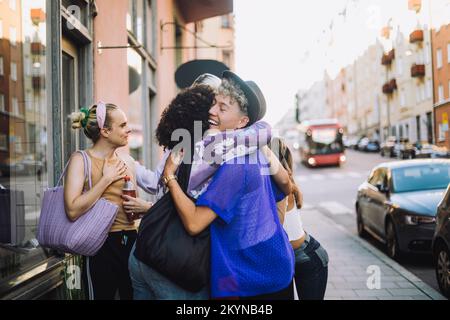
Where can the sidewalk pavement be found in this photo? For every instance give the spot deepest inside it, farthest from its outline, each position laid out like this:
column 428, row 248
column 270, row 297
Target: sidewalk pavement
column 354, row 265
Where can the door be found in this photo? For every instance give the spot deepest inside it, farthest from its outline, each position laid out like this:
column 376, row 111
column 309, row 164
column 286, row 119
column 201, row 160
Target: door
column 374, row 200
column 378, row 203
column 364, row 200
column 70, row 97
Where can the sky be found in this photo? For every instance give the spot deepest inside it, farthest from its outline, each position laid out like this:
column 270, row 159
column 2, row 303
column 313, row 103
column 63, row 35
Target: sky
column 286, row 45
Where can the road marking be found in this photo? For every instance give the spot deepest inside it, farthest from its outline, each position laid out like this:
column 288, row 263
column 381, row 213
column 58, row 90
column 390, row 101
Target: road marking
column 307, row 206
column 335, row 208
column 354, row 174
column 336, row 176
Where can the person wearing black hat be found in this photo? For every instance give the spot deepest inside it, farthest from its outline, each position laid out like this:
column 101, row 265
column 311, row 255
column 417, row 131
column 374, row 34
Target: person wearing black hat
column 190, row 105
column 251, row 257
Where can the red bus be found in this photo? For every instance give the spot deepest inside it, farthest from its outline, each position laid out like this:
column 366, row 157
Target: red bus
column 321, row 143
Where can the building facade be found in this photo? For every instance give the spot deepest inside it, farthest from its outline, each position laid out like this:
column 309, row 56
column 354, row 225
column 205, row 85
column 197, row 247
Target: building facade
column 336, row 98
column 312, row 103
column 441, row 68
column 216, row 39
column 391, row 88
column 408, row 87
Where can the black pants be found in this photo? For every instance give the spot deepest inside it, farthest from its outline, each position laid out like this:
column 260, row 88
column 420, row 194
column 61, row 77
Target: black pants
column 285, row 294
column 107, row 271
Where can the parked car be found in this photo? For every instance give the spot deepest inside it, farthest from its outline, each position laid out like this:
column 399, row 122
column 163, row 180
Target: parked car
column 362, row 144
column 358, row 140
column 387, row 147
column 428, row 150
column 440, row 152
column 403, row 149
column 441, row 244
column 350, row 142
column 397, row 204
column 11, row 167
column 423, row 150
column 368, row 145
column 373, row 146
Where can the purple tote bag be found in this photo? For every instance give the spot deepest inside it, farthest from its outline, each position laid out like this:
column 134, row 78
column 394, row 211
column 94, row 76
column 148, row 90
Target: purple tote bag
column 87, row 234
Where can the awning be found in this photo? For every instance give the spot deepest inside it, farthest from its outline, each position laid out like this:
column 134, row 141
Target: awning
column 189, row 71
column 195, row 10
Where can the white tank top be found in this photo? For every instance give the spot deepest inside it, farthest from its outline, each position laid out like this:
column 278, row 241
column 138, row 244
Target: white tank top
column 293, row 224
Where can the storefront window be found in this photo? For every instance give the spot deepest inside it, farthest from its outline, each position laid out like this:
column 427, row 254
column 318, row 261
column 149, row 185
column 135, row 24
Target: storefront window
column 135, row 103
column 135, row 19
column 150, row 27
column 23, row 134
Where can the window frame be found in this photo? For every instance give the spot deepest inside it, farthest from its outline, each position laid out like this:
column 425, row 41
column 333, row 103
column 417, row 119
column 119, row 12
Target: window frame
column 43, row 276
column 439, row 58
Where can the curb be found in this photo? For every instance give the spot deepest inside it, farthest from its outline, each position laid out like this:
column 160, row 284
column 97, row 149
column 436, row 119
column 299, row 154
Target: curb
column 418, row 283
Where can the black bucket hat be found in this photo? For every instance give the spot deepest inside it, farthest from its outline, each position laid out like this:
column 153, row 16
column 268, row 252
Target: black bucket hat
column 256, row 102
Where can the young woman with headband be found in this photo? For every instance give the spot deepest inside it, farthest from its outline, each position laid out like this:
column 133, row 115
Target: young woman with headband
column 107, row 127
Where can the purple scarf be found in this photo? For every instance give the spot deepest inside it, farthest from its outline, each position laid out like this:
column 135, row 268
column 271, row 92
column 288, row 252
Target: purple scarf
column 219, row 147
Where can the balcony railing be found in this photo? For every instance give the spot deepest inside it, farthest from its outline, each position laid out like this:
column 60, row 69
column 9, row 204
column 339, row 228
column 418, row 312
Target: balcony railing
column 416, row 36
column 390, row 86
column 387, row 58
column 37, row 48
column 418, row 70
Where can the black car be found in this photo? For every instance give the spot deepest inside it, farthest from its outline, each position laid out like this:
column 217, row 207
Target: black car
column 441, row 245
column 397, row 204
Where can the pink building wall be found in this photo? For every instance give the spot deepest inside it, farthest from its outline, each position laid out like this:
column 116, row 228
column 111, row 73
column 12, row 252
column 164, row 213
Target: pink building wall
column 110, row 67
column 167, row 89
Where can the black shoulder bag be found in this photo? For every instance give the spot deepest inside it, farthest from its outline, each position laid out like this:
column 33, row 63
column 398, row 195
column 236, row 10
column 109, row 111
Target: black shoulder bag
column 164, row 244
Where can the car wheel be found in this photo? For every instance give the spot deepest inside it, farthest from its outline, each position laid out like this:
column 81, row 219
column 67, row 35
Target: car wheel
column 382, row 153
column 442, row 265
column 360, row 223
column 392, row 247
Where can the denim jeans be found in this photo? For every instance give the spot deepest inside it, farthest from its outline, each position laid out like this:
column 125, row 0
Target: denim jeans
column 311, row 270
column 148, row 284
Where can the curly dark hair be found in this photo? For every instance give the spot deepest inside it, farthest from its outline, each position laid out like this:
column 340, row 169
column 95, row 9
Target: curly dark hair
column 191, row 104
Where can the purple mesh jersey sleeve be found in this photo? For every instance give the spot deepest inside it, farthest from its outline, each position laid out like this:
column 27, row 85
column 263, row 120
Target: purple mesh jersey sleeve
column 147, row 179
column 225, row 191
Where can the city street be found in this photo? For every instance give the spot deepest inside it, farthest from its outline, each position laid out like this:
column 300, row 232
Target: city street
column 329, row 195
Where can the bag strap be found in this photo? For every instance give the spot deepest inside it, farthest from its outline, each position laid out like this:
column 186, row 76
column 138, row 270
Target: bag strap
column 183, row 175
column 87, row 169
column 62, row 174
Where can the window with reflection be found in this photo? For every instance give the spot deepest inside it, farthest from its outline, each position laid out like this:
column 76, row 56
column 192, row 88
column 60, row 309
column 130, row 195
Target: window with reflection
column 135, row 102
column 150, row 27
column 23, row 133
column 135, row 19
